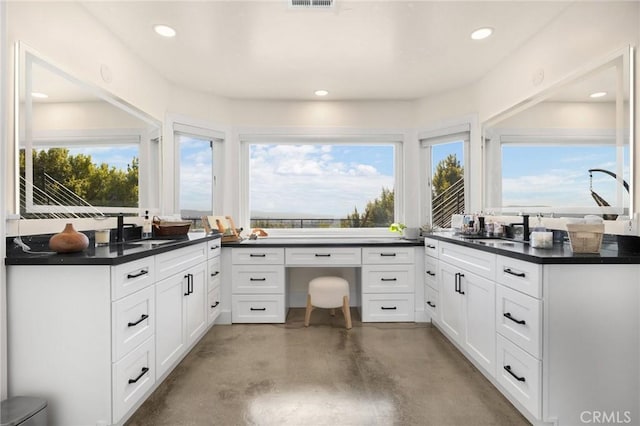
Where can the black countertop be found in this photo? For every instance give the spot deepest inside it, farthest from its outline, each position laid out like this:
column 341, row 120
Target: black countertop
column 325, row 242
column 560, row 253
column 113, row 254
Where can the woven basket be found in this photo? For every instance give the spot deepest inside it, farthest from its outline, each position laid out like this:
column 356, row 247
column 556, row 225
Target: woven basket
column 163, row 228
column 585, row 238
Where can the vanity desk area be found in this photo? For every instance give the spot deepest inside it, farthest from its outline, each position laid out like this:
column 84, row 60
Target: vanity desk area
column 270, row 275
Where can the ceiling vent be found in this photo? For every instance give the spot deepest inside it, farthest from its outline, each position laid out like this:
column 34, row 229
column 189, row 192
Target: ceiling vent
column 311, row 4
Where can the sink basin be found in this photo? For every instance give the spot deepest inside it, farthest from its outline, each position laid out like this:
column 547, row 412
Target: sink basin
column 151, row 242
column 496, row 242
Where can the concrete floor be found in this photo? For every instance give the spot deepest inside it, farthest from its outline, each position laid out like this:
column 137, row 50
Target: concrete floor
column 286, row 374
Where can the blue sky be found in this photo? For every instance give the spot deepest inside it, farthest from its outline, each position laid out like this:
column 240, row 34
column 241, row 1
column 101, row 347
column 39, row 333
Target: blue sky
column 118, row 156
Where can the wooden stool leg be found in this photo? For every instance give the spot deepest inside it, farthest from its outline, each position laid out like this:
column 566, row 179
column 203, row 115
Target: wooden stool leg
column 346, row 311
column 307, row 315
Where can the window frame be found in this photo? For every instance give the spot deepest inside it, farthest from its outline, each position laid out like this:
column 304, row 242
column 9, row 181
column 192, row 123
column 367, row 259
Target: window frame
column 322, row 138
column 455, row 133
column 87, row 138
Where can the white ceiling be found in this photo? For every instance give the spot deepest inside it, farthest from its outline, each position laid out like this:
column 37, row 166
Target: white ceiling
column 357, row 50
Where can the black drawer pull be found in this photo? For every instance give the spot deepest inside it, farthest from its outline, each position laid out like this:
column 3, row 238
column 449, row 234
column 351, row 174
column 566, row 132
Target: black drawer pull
column 215, row 273
column 323, row 255
column 142, row 318
column 215, row 304
column 257, row 255
column 431, row 304
column 257, row 279
column 388, row 279
column 142, row 373
column 430, row 246
column 215, row 247
column 431, row 274
column 388, row 254
column 384, row 308
column 508, row 315
column 189, row 278
column 508, row 368
column 517, row 274
column 257, row 309
column 139, row 274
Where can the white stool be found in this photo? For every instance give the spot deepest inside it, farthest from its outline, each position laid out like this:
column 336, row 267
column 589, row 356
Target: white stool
column 328, row 293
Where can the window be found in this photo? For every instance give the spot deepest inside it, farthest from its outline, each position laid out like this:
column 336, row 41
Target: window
column 444, row 158
column 198, row 153
column 330, row 184
column 80, row 173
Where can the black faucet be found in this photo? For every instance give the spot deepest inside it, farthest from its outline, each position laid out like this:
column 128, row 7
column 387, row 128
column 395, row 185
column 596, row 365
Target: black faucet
column 120, row 228
column 525, row 227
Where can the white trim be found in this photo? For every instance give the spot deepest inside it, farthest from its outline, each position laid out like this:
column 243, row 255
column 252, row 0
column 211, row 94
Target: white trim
column 445, row 131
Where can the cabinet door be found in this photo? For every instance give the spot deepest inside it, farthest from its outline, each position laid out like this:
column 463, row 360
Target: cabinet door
column 170, row 339
column 196, row 312
column 450, row 317
column 479, row 319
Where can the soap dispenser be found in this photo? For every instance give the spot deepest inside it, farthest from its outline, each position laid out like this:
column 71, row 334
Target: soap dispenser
column 146, row 226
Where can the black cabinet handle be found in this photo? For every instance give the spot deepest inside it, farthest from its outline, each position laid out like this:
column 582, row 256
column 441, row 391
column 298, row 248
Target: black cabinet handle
column 257, row 279
column 214, row 247
column 388, row 254
column 142, row 373
column 188, row 281
column 431, row 304
column 517, row 274
column 142, row 318
column 215, row 273
column 430, row 246
column 384, row 308
column 323, row 255
column 189, row 278
column 257, row 309
column 432, row 274
column 139, row 274
column 460, row 276
column 215, row 304
column 388, row 279
column 257, row 255
column 508, row 315
column 508, row 368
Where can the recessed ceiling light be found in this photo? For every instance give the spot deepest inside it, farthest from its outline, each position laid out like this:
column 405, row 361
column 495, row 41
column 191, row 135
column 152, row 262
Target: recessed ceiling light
column 598, row 94
column 39, row 95
column 164, row 30
column 481, row 33
column 321, row 92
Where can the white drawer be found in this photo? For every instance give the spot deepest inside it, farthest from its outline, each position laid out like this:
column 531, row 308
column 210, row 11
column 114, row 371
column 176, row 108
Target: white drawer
column 257, row 256
column 213, row 271
column 248, row 279
column 430, row 271
column 477, row 261
column 132, row 377
column 133, row 320
column 388, row 279
column 388, row 307
column 518, row 318
column 214, row 247
column 178, row 260
column 264, row 308
column 431, row 247
column 520, row 375
column 520, row 275
column 431, row 301
column 388, row 255
column 132, row 276
column 213, row 305
column 318, row 256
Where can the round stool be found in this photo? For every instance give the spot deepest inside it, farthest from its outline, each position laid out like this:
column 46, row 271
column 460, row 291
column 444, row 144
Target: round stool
column 328, row 293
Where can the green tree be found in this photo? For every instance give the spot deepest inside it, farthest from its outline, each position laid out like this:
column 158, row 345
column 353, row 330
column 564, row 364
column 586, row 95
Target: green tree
column 378, row 212
column 448, row 171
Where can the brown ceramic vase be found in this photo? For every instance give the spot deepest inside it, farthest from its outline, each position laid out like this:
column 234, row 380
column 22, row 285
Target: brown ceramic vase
column 68, row 241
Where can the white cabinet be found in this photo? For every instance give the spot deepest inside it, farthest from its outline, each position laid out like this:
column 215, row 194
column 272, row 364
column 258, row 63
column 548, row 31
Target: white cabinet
column 467, row 301
column 388, row 284
column 94, row 339
column 214, row 270
column 258, row 285
column 181, row 300
column 431, row 288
